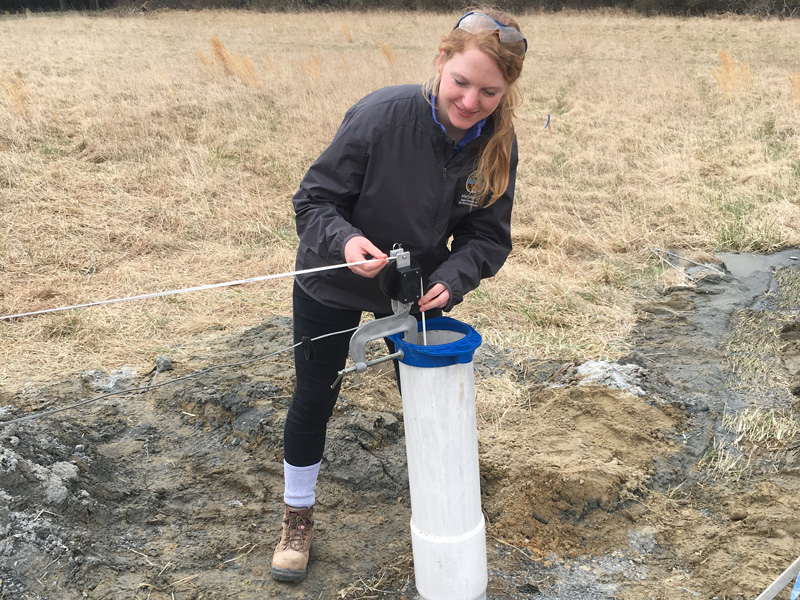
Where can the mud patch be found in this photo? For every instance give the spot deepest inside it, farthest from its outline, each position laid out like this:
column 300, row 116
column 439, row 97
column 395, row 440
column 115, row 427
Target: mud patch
column 596, row 482
column 558, row 475
column 790, row 353
column 178, row 491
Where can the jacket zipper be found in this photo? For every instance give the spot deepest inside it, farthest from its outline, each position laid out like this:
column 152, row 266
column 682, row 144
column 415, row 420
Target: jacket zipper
column 447, row 156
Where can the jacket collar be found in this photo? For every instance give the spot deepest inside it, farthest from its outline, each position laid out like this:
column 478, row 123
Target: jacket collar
column 472, row 133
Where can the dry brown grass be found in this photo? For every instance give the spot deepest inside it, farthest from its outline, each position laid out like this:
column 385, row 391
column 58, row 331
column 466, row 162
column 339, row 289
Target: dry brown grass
column 388, row 54
column 237, row 66
column 733, row 77
column 19, row 96
column 347, row 33
column 769, row 428
column 753, row 348
column 794, row 86
column 312, row 67
column 761, row 439
column 132, row 160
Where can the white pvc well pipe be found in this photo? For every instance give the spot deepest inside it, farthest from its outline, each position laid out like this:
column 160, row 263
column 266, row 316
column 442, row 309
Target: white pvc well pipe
column 448, row 533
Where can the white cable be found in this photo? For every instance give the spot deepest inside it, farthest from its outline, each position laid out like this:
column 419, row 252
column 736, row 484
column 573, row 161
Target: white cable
column 424, row 328
column 191, row 289
column 712, row 267
column 676, row 267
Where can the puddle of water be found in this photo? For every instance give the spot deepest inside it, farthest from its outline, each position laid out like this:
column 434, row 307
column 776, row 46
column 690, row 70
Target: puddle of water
column 744, row 264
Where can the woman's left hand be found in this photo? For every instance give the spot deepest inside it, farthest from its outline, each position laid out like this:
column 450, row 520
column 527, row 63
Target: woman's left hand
column 436, row 297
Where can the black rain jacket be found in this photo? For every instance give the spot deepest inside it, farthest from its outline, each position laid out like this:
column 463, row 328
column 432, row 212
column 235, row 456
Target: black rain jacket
column 391, row 174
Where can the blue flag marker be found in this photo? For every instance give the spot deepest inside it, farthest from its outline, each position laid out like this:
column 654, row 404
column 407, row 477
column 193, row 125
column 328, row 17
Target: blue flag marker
column 545, row 126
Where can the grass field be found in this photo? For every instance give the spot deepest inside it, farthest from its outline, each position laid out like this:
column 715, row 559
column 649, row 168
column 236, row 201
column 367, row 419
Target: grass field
column 140, row 153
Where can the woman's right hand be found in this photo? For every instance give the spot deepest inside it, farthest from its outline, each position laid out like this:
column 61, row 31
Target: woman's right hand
column 360, row 248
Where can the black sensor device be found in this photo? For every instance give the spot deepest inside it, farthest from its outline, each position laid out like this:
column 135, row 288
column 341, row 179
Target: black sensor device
column 403, row 284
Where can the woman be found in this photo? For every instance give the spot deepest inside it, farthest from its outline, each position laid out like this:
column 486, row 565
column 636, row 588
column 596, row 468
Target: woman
column 416, row 166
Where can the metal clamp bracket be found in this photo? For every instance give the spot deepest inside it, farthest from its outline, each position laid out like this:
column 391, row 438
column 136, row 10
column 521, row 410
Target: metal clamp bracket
column 372, row 331
column 379, row 328
column 376, row 329
column 377, row 361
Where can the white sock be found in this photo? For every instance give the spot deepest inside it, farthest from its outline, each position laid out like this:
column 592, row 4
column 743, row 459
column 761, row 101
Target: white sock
column 299, row 484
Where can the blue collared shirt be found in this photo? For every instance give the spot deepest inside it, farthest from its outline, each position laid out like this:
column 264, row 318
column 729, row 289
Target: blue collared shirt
column 472, row 133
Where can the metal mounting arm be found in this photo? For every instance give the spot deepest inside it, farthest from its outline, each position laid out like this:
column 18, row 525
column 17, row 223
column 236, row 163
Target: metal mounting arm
column 378, row 329
column 400, row 321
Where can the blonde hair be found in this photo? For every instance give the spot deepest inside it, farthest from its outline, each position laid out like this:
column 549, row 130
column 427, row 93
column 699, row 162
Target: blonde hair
column 494, row 161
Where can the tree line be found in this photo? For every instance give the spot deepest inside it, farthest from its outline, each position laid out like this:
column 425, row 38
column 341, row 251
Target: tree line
column 761, row 8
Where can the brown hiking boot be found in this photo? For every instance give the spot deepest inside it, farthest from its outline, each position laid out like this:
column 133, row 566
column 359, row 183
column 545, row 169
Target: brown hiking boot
column 290, row 559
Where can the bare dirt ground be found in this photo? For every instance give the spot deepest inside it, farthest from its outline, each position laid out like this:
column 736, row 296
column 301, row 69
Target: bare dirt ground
column 623, row 480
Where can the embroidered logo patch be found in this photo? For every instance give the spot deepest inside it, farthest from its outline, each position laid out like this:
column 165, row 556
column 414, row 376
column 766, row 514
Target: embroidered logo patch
column 470, row 198
column 472, row 183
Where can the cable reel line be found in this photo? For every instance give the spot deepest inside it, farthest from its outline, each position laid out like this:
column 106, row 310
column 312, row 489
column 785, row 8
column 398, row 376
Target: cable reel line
column 400, row 280
column 186, row 290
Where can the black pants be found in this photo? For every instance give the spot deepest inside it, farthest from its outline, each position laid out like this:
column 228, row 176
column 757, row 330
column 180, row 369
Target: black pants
column 313, row 400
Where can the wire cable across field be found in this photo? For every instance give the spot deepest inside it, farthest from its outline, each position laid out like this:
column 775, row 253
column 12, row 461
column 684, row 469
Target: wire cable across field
column 661, row 254
column 152, row 386
column 198, row 288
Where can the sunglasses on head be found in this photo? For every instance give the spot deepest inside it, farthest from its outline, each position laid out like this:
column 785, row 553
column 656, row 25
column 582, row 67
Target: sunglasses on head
column 512, row 40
